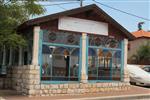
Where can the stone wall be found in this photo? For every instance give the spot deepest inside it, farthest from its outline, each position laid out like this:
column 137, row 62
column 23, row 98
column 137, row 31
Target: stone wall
column 78, row 88
column 26, row 80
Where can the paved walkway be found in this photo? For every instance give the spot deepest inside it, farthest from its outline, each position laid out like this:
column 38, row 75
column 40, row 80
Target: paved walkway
column 138, row 92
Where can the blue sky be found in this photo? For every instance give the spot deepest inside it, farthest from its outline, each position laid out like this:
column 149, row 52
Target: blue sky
column 138, row 7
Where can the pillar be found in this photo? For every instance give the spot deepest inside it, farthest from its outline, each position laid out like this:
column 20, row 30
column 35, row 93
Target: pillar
column 20, row 56
column 28, row 56
column 84, row 59
column 3, row 71
column 10, row 56
column 4, row 56
column 36, row 32
column 126, row 74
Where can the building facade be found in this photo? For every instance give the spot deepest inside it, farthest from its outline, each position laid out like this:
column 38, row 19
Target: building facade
column 78, row 51
column 142, row 38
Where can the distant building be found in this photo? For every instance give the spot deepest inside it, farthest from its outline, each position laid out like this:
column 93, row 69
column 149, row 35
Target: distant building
column 142, row 37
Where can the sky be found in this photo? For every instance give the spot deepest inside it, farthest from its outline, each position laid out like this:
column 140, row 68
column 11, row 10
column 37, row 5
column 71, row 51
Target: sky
column 137, row 7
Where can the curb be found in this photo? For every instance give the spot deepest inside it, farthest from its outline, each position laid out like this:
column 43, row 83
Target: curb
column 123, row 97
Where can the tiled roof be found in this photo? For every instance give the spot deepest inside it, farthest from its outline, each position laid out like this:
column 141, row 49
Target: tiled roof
column 141, row 33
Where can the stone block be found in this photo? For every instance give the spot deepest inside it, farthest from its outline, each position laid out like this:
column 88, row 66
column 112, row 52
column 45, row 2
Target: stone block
column 30, row 87
column 45, row 91
column 77, row 86
column 37, row 87
column 61, row 86
column 31, row 76
column 59, row 91
column 72, row 86
column 31, row 92
column 70, row 91
column 32, row 67
column 53, row 86
column 42, row 86
column 65, row 85
column 37, row 67
column 53, row 91
column 37, row 77
column 33, row 71
column 47, row 86
column 82, row 86
column 63, row 91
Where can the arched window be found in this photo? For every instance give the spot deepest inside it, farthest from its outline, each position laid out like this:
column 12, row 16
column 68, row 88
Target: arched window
column 60, row 64
column 107, row 58
column 60, row 56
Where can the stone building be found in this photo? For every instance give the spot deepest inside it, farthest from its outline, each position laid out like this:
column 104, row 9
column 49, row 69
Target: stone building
column 78, row 51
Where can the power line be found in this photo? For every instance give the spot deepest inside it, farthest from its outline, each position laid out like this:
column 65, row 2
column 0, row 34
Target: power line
column 61, row 7
column 81, row 1
column 61, row 3
column 122, row 11
column 58, row 4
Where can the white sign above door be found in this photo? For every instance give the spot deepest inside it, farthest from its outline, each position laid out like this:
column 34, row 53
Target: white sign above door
column 83, row 25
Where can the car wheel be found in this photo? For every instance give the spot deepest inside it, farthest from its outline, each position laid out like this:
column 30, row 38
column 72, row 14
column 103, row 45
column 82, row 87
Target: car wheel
column 132, row 83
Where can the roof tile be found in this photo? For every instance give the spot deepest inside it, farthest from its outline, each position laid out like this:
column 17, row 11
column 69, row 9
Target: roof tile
column 141, row 33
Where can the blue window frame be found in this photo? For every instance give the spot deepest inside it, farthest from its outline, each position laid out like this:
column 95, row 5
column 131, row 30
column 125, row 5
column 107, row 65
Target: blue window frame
column 105, row 58
column 59, row 59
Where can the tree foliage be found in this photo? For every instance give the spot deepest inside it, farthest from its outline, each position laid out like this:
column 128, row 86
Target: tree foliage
column 12, row 14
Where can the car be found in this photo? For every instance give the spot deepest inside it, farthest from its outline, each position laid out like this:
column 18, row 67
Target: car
column 138, row 76
column 147, row 68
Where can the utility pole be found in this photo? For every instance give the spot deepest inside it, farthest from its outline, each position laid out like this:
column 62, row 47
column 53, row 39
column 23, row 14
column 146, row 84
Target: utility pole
column 81, row 3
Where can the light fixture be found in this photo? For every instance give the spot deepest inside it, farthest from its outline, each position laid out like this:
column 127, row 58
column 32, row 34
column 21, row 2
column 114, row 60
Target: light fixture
column 66, row 53
column 50, row 55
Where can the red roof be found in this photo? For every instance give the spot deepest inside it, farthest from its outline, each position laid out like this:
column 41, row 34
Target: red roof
column 141, row 33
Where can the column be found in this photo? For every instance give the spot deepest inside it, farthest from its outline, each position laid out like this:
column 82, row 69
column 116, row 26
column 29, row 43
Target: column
column 3, row 71
column 4, row 56
column 20, row 56
column 10, row 56
column 28, row 56
column 126, row 74
column 36, row 32
column 84, row 59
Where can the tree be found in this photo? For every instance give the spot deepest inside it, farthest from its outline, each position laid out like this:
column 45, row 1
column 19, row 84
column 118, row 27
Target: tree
column 142, row 55
column 12, row 14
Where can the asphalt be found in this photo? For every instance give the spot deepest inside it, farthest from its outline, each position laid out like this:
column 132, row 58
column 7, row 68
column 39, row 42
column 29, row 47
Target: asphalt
column 135, row 93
